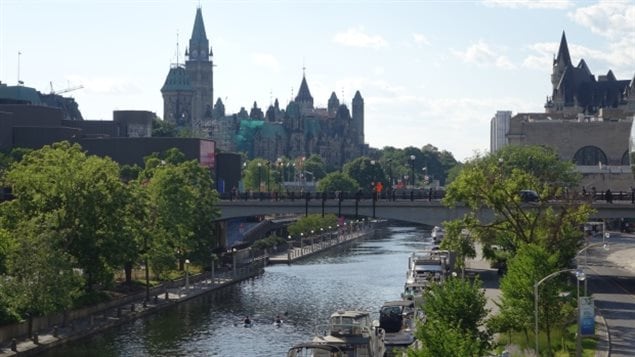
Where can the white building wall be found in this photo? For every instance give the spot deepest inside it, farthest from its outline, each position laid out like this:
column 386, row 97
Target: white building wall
column 499, row 127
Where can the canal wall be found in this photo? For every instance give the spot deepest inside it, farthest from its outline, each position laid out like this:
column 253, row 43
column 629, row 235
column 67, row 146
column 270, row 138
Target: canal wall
column 42, row 333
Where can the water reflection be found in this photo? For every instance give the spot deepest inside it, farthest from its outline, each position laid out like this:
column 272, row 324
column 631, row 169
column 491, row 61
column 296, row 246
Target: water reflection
column 305, row 294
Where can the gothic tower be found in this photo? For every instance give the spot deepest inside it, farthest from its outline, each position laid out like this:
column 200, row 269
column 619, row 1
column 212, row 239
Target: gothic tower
column 358, row 117
column 200, row 69
column 304, row 98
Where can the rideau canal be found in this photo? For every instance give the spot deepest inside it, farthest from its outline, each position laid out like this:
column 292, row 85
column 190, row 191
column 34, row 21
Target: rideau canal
column 304, row 294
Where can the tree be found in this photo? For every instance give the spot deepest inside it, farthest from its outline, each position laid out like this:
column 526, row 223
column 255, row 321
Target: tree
column 79, row 197
column 454, row 312
column 161, row 128
column 495, row 181
column 312, row 222
column 337, row 181
column 530, row 264
column 365, row 172
column 315, row 165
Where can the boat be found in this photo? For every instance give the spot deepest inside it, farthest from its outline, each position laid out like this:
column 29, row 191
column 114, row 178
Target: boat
column 349, row 333
column 425, row 268
column 438, row 233
column 397, row 319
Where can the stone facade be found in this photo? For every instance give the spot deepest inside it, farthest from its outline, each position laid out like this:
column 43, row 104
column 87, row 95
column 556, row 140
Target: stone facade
column 587, row 121
column 297, row 131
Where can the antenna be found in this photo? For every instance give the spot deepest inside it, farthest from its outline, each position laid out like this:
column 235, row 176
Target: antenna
column 291, row 93
column 177, row 48
column 270, row 97
column 19, row 81
column 303, row 67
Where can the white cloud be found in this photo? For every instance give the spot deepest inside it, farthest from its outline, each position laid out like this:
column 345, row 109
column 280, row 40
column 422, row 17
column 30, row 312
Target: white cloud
column 266, row 60
column 356, row 37
column 482, row 54
column 420, row 39
column 530, row 4
column 612, row 19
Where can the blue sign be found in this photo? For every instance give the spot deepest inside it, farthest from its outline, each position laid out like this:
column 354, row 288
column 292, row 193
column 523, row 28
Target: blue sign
column 587, row 316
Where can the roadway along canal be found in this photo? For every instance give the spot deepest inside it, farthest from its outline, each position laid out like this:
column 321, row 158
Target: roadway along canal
column 304, row 294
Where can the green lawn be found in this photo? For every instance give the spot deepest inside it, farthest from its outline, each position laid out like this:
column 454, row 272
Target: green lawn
column 563, row 342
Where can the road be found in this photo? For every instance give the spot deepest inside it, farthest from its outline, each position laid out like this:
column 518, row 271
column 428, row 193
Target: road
column 611, row 280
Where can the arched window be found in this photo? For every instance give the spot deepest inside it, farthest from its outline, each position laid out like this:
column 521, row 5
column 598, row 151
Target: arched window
column 625, row 160
column 589, row 156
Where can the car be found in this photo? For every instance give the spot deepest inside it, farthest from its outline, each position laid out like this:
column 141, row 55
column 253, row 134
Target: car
column 529, row 196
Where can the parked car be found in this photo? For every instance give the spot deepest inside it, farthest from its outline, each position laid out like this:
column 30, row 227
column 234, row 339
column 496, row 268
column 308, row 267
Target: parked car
column 529, row 196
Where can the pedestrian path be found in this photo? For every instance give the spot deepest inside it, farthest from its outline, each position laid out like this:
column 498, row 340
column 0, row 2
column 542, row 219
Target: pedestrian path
column 161, row 298
column 295, row 253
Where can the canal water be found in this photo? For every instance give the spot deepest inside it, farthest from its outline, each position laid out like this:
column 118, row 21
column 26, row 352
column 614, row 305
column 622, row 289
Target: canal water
column 304, row 295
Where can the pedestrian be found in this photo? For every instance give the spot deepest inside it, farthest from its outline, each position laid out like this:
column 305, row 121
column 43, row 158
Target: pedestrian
column 608, row 195
column 593, row 192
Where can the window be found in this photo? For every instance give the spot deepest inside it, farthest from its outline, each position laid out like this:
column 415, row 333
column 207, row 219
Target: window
column 589, row 156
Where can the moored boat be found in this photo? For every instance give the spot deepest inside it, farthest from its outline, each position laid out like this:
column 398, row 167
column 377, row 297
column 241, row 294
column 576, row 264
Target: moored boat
column 349, row 333
column 437, row 234
column 397, row 318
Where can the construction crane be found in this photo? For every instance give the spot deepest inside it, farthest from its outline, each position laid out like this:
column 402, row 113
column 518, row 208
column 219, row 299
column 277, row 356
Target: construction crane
column 62, row 91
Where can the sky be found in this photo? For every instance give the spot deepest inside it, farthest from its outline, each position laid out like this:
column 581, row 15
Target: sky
column 430, row 72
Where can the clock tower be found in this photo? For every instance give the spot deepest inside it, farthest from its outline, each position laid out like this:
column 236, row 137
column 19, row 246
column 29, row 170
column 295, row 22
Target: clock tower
column 200, row 70
column 188, row 91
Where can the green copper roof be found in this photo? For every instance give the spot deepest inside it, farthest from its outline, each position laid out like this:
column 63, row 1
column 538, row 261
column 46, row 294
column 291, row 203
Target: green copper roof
column 198, row 33
column 177, row 80
column 20, row 93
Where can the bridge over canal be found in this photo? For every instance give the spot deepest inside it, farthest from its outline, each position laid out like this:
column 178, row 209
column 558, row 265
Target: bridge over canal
column 417, row 211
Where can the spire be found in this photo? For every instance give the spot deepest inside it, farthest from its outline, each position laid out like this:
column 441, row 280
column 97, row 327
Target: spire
column 563, row 51
column 198, row 33
column 304, row 95
column 199, row 45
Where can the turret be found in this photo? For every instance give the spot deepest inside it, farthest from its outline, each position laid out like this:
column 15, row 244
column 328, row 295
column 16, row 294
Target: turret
column 333, row 103
column 561, row 62
column 358, row 117
column 304, row 98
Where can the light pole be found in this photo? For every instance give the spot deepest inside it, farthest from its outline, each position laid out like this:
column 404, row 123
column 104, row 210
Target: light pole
column 412, row 168
column 268, row 174
column 234, row 262
column 536, row 285
column 259, row 177
column 187, row 274
column 389, row 177
column 580, row 276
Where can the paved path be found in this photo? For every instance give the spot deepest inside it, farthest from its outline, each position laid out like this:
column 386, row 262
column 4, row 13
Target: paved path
column 109, row 318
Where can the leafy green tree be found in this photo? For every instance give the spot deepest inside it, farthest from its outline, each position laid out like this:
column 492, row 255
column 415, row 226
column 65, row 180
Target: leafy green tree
column 337, row 181
column 365, row 172
column 455, row 311
column 255, row 175
column 181, row 203
column 315, row 165
column 42, row 277
column 84, row 201
column 461, row 243
column 442, row 339
column 312, row 222
column 161, row 128
column 495, row 181
column 528, row 266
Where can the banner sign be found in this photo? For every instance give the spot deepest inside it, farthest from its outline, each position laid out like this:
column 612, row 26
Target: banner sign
column 587, row 316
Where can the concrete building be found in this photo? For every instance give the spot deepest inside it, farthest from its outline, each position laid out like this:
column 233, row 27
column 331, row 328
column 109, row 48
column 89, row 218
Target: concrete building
column 499, row 126
column 587, row 121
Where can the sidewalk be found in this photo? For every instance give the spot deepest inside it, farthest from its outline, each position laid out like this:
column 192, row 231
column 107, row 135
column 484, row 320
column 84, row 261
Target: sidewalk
column 83, row 327
column 490, row 278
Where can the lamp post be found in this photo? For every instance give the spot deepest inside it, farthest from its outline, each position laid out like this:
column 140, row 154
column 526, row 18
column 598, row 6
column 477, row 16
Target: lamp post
column 580, row 276
column 389, row 177
column 259, row 177
column 187, row 274
column 536, row 285
column 268, row 175
column 412, row 168
column 290, row 242
column 234, row 262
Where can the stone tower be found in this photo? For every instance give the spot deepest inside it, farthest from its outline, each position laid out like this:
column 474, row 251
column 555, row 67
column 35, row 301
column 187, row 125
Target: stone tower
column 304, row 98
column 358, row 117
column 188, row 92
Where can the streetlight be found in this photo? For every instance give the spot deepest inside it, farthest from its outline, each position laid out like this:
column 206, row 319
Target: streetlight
column 580, row 276
column 259, row 176
column 268, row 174
column 234, row 262
column 187, row 274
column 389, row 176
column 412, row 167
column 536, row 285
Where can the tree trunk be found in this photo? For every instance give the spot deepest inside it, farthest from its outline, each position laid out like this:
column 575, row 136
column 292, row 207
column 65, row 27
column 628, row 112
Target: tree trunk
column 128, row 272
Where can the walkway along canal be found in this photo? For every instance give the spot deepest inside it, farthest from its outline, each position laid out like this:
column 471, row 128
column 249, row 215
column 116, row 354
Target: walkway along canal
column 51, row 331
column 304, row 294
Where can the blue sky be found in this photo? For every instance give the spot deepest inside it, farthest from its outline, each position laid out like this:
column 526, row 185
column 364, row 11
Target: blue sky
column 430, row 72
